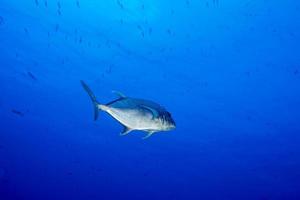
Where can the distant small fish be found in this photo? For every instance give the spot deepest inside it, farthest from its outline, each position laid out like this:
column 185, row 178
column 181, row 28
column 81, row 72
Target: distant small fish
column 139, row 27
column 33, row 77
column 58, row 5
column 77, row 4
column 1, row 20
column 26, row 31
column 69, row 173
column 36, row 2
column 120, row 4
column 172, row 12
column 134, row 114
column 56, row 27
column 141, row 30
column 46, row 3
column 108, row 70
column 16, row 112
column 216, row 2
column 296, row 72
column 169, row 31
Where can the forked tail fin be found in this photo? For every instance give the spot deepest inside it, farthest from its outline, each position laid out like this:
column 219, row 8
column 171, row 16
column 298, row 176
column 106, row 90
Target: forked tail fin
column 93, row 98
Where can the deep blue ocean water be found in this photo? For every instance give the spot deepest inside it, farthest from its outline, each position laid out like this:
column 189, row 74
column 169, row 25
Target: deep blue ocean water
column 228, row 71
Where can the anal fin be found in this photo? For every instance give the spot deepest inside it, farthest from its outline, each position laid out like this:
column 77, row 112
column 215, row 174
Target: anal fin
column 125, row 131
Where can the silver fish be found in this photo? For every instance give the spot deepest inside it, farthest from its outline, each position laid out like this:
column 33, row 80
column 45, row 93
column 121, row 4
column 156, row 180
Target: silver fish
column 134, row 114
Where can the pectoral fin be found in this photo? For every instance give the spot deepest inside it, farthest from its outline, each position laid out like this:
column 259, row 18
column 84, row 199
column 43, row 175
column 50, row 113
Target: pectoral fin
column 125, row 131
column 148, row 135
column 155, row 114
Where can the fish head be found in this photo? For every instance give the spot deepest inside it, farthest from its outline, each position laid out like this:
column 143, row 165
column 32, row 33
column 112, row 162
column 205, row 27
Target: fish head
column 166, row 121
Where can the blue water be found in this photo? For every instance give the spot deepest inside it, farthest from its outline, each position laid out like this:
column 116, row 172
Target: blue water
column 228, row 71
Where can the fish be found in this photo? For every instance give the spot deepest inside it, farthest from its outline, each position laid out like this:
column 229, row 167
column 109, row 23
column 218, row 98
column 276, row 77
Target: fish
column 33, row 77
column 16, row 112
column 134, row 114
column 1, row 20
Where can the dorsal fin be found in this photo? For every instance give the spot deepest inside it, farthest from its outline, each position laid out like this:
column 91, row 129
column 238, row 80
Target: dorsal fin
column 119, row 94
column 155, row 114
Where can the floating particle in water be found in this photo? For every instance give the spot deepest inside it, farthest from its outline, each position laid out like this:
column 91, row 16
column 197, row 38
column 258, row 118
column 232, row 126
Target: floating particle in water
column 150, row 31
column 80, row 39
column 36, row 2
column 17, row 112
column 46, row 3
column 143, row 7
column 59, row 12
column 187, row 2
column 296, row 72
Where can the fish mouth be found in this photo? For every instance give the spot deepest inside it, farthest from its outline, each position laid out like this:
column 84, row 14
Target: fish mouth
column 172, row 127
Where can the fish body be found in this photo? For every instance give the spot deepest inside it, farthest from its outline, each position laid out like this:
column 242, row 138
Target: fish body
column 135, row 114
